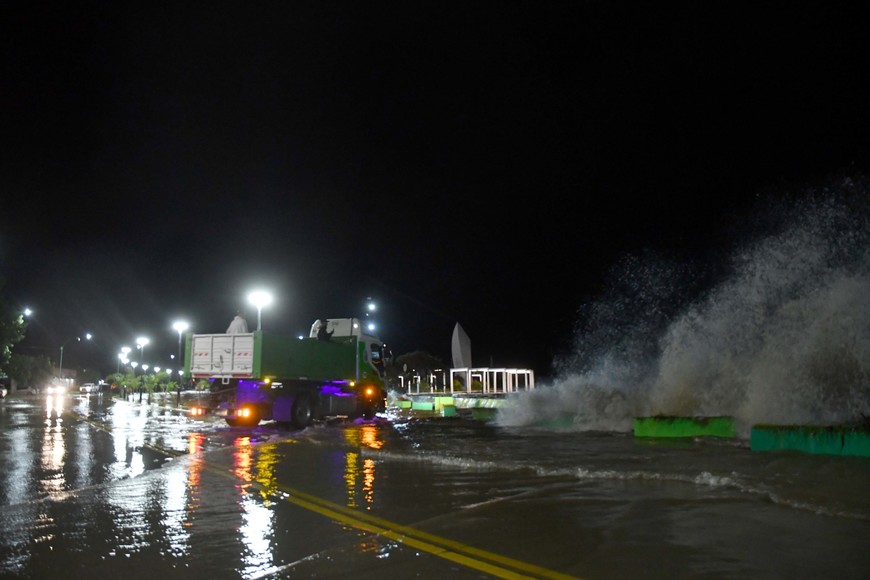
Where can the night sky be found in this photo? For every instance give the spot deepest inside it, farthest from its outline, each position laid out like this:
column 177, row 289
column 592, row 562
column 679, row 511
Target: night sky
column 485, row 163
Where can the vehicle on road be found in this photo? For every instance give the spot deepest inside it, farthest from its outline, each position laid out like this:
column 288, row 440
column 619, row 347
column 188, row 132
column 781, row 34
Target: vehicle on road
column 56, row 389
column 88, row 388
column 294, row 381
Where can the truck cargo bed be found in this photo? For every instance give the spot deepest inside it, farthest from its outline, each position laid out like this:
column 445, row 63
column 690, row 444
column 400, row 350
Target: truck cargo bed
column 260, row 355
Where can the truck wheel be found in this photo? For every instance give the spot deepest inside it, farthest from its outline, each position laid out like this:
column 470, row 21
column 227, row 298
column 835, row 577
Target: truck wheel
column 303, row 411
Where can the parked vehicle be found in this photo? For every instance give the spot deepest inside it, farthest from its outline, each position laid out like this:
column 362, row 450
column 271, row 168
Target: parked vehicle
column 257, row 376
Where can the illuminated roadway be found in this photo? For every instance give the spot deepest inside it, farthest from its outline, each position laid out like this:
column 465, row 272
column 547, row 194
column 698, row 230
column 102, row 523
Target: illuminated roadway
column 127, row 489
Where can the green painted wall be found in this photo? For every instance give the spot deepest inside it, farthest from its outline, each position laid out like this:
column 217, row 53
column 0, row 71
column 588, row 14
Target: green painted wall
column 684, row 427
column 821, row 440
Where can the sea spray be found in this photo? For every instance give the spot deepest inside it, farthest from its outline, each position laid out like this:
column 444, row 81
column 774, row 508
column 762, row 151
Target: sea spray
column 782, row 336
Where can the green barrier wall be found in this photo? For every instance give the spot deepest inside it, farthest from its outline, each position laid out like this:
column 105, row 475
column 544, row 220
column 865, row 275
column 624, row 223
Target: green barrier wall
column 483, row 413
column 816, row 439
column 684, row 427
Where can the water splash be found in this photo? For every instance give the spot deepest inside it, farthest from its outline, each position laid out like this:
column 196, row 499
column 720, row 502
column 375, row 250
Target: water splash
column 782, row 335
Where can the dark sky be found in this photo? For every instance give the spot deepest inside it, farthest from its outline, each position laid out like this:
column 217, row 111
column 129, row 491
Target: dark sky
column 476, row 162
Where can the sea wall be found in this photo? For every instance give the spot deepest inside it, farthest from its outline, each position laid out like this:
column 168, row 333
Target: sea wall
column 816, row 439
column 662, row 426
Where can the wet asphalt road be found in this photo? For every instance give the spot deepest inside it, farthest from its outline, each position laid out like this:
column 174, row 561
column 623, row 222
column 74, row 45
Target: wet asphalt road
column 98, row 487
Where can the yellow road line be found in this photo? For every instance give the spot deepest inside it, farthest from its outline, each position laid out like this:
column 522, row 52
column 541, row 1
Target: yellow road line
column 400, row 532
column 458, row 552
column 478, row 559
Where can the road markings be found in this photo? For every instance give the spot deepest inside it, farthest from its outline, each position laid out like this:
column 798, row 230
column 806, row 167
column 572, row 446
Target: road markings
column 457, row 552
column 469, row 556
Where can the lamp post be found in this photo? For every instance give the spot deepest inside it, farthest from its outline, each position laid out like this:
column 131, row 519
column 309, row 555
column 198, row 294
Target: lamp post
column 60, row 364
column 88, row 336
column 259, row 298
column 141, row 343
column 180, row 326
column 370, row 307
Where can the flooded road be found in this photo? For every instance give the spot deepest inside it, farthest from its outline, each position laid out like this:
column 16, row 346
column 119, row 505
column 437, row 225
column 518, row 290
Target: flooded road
column 101, row 488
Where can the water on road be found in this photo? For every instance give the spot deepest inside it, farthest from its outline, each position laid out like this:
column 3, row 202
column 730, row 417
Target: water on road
column 120, row 489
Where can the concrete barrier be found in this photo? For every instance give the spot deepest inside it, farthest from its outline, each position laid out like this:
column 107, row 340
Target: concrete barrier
column 662, row 426
column 815, row 439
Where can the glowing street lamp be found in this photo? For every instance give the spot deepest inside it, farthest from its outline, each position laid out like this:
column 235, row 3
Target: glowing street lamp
column 180, row 326
column 370, row 307
column 259, row 298
column 141, row 343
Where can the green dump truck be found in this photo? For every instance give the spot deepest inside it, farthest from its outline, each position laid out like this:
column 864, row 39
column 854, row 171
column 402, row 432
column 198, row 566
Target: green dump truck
column 294, row 381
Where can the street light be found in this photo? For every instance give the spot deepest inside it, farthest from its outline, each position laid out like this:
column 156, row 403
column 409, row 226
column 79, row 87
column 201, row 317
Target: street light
column 141, row 343
column 122, row 357
column 180, row 326
column 77, row 339
column 259, row 298
column 370, row 307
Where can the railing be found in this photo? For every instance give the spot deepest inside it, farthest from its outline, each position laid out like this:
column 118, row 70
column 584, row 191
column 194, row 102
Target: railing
column 491, row 381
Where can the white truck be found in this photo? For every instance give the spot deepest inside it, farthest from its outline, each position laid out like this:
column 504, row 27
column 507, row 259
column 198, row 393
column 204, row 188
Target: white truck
column 258, row 376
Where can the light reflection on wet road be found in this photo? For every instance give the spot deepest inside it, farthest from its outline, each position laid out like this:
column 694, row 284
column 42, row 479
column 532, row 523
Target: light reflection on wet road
column 113, row 489
column 110, row 488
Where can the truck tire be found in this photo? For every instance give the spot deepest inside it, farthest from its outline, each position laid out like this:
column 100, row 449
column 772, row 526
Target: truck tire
column 303, row 411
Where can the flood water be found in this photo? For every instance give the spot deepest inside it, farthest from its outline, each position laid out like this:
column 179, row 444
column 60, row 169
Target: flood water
column 625, row 507
column 119, row 489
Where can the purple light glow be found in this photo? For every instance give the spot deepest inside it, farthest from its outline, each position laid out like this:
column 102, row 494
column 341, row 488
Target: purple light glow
column 248, row 385
column 334, row 391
